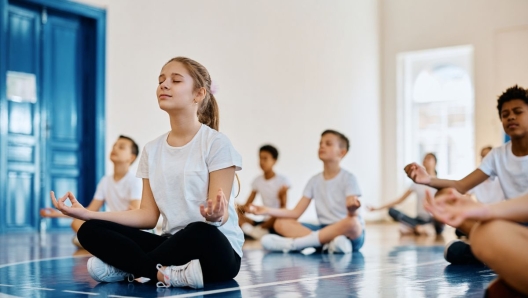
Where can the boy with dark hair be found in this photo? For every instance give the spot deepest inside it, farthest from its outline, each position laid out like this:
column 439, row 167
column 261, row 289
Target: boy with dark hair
column 336, row 195
column 272, row 188
column 120, row 190
column 508, row 162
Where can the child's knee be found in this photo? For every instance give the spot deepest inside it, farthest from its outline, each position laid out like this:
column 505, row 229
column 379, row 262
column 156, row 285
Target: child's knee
column 353, row 227
column 483, row 238
column 281, row 224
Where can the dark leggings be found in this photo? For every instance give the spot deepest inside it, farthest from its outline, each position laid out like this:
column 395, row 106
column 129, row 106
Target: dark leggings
column 138, row 252
column 413, row 222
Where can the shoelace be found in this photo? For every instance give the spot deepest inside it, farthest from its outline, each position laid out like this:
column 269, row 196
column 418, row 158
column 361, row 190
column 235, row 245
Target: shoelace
column 174, row 271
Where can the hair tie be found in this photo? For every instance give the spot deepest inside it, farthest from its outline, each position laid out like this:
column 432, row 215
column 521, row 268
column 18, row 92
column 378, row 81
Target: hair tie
column 214, row 87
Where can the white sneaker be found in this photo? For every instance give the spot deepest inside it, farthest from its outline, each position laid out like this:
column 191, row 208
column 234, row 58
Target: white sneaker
column 188, row 275
column 254, row 232
column 102, row 272
column 339, row 244
column 277, row 243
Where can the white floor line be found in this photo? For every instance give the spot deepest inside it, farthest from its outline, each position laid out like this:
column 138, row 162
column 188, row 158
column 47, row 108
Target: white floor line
column 300, row 280
column 78, row 292
column 41, row 260
column 2, row 295
column 32, row 288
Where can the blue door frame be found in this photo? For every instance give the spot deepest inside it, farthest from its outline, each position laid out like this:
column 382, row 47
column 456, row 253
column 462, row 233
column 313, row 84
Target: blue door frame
column 98, row 18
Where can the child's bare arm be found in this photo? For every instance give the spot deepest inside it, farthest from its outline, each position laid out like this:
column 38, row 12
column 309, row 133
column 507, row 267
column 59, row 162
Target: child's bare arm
column 418, row 174
column 282, row 212
column 283, row 196
column 251, row 198
column 393, row 203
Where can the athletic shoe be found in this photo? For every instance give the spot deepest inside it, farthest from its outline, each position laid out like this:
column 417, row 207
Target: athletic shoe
column 102, row 272
column 339, row 244
column 76, row 242
column 254, row 232
column 277, row 243
column 458, row 252
column 188, row 275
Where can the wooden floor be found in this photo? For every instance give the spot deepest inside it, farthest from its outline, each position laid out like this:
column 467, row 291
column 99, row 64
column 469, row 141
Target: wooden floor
column 48, row 265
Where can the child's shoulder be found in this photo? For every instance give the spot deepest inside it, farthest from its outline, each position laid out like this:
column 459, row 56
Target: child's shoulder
column 347, row 174
column 211, row 135
column 157, row 141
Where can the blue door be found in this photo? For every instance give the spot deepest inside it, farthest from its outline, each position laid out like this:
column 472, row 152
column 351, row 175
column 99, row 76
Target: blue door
column 50, row 141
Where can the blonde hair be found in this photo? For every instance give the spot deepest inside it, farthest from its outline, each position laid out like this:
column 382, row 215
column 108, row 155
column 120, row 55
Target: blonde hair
column 208, row 112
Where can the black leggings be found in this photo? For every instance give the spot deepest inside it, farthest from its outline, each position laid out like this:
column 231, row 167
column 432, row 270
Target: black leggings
column 138, row 252
column 413, row 222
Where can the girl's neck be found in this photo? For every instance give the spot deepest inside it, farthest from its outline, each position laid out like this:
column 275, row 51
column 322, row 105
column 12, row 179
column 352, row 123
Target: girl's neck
column 120, row 170
column 520, row 146
column 269, row 174
column 183, row 129
column 331, row 169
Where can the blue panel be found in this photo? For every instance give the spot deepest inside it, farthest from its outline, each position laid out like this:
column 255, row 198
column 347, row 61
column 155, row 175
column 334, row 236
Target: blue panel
column 22, row 41
column 64, row 85
column 21, row 117
column 20, row 200
column 20, row 153
column 62, row 158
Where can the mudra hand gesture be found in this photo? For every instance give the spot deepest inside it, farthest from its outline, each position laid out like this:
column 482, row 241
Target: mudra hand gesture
column 76, row 210
column 213, row 210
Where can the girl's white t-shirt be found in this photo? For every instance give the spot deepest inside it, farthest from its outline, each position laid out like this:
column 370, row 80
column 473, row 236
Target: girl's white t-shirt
column 512, row 170
column 179, row 179
column 118, row 194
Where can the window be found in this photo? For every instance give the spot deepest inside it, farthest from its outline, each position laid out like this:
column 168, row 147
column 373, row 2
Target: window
column 436, row 109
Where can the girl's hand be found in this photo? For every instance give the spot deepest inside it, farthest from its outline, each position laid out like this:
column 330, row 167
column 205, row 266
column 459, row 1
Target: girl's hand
column 76, row 210
column 214, row 211
column 453, row 208
column 417, row 173
column 258, row 210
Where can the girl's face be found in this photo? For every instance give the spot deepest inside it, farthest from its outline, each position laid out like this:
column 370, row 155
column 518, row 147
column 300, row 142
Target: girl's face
column 176, row 88
column 429, row 162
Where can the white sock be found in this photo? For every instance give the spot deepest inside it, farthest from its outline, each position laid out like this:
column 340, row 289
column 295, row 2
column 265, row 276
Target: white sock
column 247, row 227
column 311, row 240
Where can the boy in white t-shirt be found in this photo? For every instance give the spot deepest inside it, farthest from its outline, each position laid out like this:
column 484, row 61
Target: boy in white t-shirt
column 120, row 190
column 508, row 162
column 335, row 193
column 272, row 188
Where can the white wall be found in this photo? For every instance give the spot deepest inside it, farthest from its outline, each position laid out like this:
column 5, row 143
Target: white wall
column 287, row 70
column 408, row 25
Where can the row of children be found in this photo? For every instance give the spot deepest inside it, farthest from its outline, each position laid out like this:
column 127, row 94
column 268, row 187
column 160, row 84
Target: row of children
column 188, row 174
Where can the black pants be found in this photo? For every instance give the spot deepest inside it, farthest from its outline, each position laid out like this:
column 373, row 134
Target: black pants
column 138, row 252
column 413, row 222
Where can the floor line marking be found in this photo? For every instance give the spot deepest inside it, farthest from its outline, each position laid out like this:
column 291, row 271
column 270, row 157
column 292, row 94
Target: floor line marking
column 300, row 280
column 33, row 288
column 2, row 285
column 41, row 260
column 79, row 292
